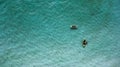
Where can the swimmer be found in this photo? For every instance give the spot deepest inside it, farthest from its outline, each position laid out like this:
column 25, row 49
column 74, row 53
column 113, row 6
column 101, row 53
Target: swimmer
column 73, row 27
column 84, row 43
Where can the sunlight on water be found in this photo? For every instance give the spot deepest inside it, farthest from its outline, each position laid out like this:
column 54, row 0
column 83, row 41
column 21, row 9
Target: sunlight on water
column 36, row 33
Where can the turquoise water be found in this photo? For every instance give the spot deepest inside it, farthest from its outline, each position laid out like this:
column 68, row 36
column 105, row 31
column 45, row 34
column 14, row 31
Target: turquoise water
column 36, row 33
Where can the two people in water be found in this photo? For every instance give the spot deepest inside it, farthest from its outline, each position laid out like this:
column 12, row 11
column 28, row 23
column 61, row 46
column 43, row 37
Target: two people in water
column 84, row 42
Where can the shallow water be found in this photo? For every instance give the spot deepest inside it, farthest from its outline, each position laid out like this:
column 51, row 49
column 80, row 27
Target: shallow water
column 36, row 33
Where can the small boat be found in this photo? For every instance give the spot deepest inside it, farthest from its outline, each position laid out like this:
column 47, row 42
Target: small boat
column 73, row 27
column 84, row 43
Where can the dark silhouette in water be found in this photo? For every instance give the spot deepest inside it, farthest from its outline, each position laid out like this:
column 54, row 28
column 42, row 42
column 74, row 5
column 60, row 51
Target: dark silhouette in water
column 73, row 27
column 84, row 43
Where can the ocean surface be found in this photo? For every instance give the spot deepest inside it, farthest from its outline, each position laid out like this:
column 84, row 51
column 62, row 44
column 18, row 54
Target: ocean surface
column 36, row 33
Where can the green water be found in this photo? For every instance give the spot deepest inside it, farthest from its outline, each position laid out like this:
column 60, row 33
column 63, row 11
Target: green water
column 36, row 33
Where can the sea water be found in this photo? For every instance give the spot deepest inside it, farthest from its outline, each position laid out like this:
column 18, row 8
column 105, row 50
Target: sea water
column 36, row 33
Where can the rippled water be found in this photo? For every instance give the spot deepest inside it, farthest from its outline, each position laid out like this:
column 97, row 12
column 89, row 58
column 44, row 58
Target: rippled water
column 36, row 33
